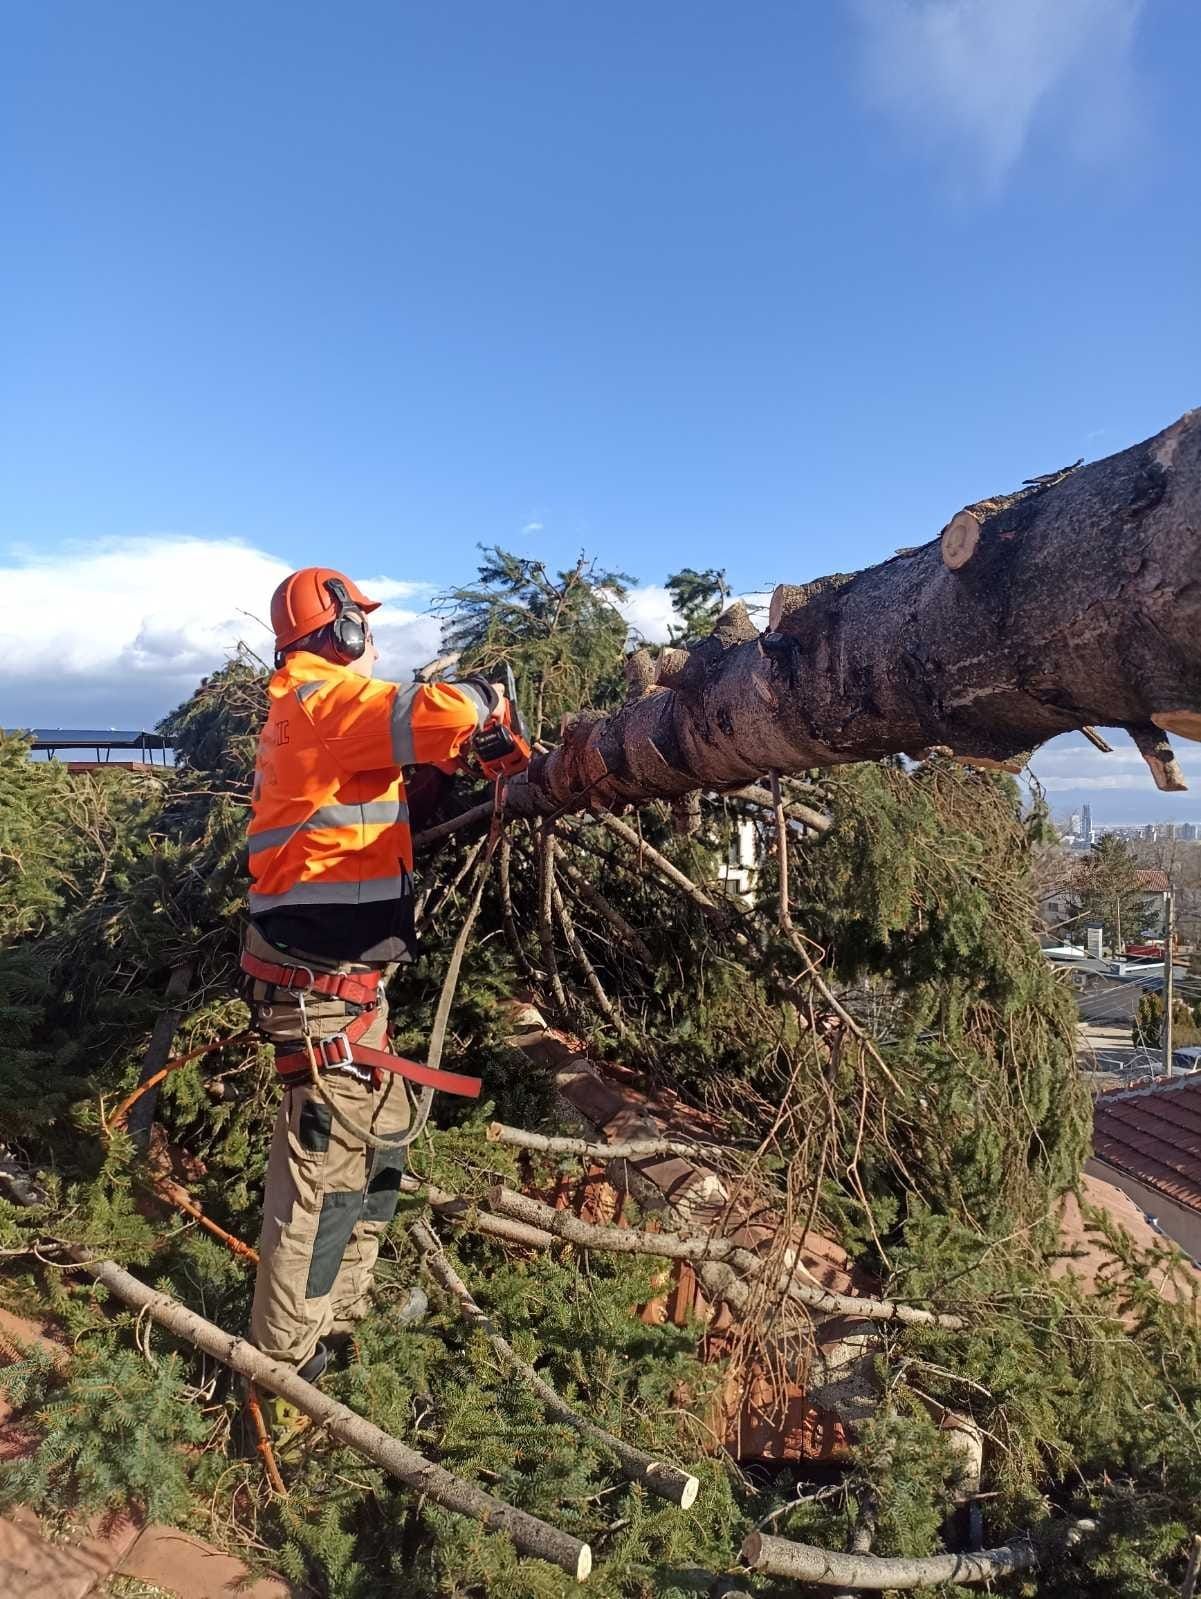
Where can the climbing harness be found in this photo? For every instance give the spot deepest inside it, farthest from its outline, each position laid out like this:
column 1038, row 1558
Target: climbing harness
column 429, row 1075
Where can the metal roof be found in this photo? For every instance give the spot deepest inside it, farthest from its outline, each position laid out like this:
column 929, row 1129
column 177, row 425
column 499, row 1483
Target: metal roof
column 100, row 738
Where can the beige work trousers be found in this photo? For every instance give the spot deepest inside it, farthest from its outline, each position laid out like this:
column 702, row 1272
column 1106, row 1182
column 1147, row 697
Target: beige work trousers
column 329, row 1197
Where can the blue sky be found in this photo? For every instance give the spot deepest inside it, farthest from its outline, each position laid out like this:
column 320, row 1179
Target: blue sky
column 775, row 288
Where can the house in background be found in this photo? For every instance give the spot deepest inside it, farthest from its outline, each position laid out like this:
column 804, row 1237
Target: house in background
column 740, row 872
column 1057, row 910
column 1147, row 1142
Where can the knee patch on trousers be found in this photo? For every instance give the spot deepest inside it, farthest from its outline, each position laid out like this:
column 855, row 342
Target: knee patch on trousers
column 383, row 1190
column 339, row 1213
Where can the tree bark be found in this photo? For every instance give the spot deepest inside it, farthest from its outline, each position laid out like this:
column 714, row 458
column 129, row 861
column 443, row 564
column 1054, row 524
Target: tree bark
column 624, row 1149
column 1078, row 604
column 803, row 1562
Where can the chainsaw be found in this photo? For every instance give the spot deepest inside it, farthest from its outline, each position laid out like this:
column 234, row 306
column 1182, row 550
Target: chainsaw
column 501, row 748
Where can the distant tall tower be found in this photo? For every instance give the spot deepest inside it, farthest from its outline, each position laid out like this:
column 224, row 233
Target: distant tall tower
column 1074, row 824
column 1086, row 823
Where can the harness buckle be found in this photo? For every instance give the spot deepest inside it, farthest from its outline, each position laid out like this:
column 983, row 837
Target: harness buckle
column 345, row 1059
column 292, row 986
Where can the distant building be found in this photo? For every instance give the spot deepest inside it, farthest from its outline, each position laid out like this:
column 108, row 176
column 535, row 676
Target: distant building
column 1056, row 907
column 741, row 870
column 1188, row 832
column 1145, row 1142
column 1149, row 832
column 1086, row 824
column 133, row 748
column 1074, row 822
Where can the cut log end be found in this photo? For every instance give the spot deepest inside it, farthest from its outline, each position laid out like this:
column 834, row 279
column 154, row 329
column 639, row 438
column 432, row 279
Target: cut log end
column 959, row 540
column 752, row 1550
column 669, row 1482
column 1160, row 757
column 784, row 598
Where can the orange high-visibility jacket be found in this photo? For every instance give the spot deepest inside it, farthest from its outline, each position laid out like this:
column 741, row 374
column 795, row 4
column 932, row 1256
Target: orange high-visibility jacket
column 329, row 824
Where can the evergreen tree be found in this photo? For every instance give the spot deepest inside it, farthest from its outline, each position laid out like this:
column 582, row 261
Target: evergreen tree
column 937, row 1156
column 700, row 598
column 1110, row 894
column 562, row 635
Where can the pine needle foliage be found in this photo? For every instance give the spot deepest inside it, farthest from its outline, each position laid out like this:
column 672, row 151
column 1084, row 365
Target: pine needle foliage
column 938, row 1161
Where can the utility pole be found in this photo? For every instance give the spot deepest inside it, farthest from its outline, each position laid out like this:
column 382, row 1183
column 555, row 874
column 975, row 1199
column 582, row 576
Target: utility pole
column 1169, row 935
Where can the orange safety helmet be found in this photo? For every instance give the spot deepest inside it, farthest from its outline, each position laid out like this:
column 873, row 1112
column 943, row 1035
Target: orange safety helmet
column 304, row 602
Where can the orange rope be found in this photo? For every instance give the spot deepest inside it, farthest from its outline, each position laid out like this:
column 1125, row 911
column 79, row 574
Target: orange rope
column 169, row 1190
column 166, row 1188
column 255, row 1411
column 173, row 1065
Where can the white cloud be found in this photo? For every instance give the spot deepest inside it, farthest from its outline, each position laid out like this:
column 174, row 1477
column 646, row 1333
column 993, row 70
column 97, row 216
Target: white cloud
column 1064, row 767
column 972, row 77
column 117, row 633
column 532, row 527
column 649, row 611
column 651, row 615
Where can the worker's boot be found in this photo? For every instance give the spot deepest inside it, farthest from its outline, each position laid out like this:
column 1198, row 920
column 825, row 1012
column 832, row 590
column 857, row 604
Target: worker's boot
column 286, row 1423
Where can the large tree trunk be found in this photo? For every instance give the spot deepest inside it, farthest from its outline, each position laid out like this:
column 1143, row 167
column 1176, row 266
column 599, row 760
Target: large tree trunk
column 1074, row 602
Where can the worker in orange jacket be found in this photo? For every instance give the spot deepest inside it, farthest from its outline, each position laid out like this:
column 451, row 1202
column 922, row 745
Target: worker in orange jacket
column 331, row 917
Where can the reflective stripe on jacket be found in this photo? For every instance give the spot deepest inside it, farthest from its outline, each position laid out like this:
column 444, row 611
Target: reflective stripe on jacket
column 329, row 824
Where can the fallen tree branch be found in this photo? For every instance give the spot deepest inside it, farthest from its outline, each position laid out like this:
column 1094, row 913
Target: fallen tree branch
column 530, row 1536
column 141, row 1113
column 756, row 794
column 464, row 1212
column 434, row 835
column 705, row 1248
column 803, row 1562
column 668, row 1482
column 597, row 902
column 504, row 855
column 546, row 937
column 624, row 1149
column 603, row 1003
column 665, row 868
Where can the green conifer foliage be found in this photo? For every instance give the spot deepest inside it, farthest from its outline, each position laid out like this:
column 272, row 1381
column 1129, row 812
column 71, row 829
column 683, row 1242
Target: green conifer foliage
column 1110, row 893
column 937, row 1157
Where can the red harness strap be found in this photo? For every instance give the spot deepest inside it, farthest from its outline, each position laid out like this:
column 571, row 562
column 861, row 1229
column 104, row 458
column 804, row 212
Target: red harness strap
column 358, row 988
column 343, row 1049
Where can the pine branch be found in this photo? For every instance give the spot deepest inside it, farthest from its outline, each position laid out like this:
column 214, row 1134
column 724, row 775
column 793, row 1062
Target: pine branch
column 546, row 939
column 803, row 1562
column 603, row 1003
column 530, row 1535
column 668, row 1482
column 597, row 902
column 705, row 1248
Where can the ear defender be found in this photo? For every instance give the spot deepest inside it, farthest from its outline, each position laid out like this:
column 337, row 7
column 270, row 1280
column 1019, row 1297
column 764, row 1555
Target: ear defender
column 348, row 630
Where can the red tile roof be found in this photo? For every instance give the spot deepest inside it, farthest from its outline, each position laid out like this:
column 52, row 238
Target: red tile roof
column 1149, row 878
column 1153, row 880
column 1153, row 1133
